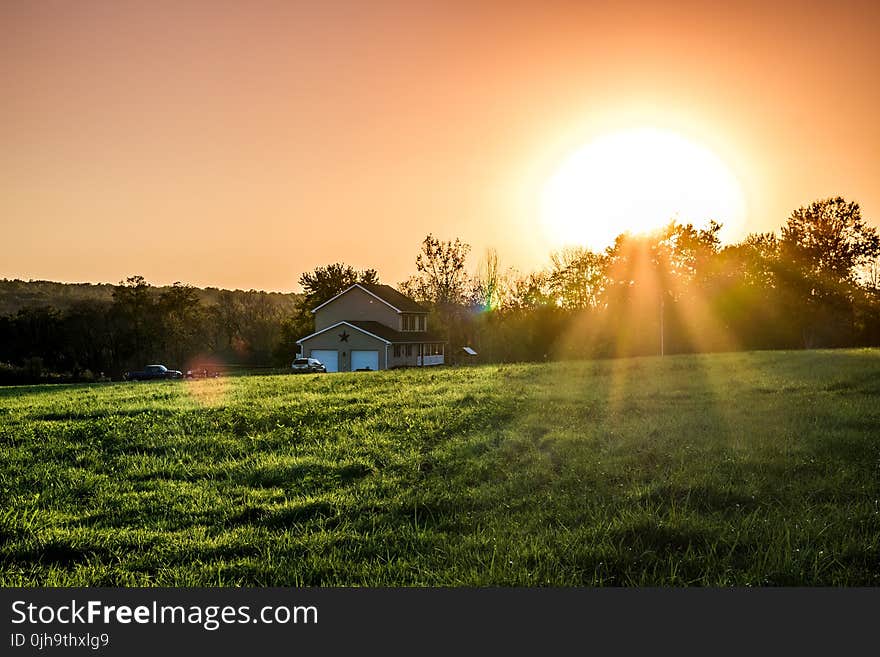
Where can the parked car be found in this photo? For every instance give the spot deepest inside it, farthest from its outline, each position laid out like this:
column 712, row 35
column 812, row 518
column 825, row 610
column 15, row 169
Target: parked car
column 307, row 365
column 153, row 372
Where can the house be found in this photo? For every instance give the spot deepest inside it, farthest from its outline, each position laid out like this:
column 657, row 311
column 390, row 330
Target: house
column 375, row 327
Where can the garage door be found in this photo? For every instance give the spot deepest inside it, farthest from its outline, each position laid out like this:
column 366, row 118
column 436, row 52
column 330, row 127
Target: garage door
column 330, row 358
column 364, row 360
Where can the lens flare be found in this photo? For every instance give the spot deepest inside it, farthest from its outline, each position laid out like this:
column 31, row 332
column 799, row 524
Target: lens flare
column 206, row 382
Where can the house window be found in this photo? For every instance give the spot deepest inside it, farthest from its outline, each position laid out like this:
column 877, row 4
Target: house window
column 397, row 351
column 409, row 350
column 412, row 322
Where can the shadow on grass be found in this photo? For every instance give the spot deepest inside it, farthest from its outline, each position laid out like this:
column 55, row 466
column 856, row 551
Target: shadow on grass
column 286, row 516
column 699, row 497
column 48, row 389
column 99, row 414
column 58, row 551
column 658, row 538
column 317, row 475
column 862, row 383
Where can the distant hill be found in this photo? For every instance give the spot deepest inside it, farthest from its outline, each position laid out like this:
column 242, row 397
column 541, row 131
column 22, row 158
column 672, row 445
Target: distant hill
column 16, row 294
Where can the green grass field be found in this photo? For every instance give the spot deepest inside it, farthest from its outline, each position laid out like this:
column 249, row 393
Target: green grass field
column 728, row 469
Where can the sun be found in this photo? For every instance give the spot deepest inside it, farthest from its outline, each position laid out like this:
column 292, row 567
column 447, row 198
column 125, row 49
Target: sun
column 638, row 180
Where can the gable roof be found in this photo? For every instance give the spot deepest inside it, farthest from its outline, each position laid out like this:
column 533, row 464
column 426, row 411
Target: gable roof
column 381, row 332
column 384, row 293
column 351, row 324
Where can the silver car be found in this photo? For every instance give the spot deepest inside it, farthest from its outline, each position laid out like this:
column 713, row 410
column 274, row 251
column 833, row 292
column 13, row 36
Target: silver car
column 307, row 365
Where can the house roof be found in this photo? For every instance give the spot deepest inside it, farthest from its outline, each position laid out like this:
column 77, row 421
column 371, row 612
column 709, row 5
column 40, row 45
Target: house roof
column 384, row 293
column 388, row 333
column 380, row 332
column 391, row 296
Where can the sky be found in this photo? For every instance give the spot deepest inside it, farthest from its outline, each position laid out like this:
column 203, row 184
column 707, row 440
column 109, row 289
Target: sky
column 239, row 144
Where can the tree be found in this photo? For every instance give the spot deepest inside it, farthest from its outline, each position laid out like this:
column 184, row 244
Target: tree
column 687, row 252
column 758, row 255
column 442, row 284
column 87, row 336
column 181, row 316
column 225, row 320
column 529, row 292
column 577, row 278
column 828, row 241
column 441, row 280
column 747, row 296
column 822, row 248
column 487, row 287
column 260, row 328
column 321, row 285
column 134, row 322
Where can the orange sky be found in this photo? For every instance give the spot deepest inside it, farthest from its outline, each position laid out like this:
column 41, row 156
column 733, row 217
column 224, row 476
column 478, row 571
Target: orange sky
column 238, row 144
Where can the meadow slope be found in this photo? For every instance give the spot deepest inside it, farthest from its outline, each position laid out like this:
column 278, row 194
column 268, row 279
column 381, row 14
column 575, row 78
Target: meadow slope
column 727, row 469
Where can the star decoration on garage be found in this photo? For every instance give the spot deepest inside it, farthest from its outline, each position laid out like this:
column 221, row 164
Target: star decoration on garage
column 343, row 337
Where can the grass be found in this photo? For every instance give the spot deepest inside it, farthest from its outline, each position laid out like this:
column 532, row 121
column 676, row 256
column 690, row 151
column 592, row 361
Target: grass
column 751, row 469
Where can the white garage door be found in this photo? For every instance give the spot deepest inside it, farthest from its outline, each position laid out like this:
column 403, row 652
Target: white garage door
column 330, row 358
column 364, row 360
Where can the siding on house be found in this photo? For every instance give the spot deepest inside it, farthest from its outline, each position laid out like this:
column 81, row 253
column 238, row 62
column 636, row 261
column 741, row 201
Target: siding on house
column 356, row 304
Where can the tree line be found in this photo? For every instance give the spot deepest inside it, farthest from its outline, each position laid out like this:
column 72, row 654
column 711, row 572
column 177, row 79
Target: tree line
column 814, row 284
column 91, row 338
column 678, row 290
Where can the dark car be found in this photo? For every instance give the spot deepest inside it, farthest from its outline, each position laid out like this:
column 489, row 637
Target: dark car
column 152, row 373
column 307, row 365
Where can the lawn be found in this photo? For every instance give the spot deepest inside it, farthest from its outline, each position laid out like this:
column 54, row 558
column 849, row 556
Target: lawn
column 751, row 469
